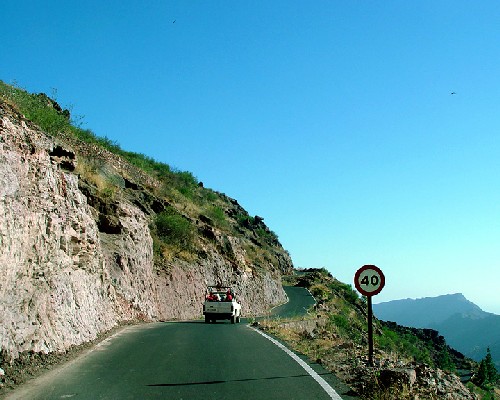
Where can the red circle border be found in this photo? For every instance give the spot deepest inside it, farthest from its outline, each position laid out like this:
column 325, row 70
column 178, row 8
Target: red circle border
column 360, row 271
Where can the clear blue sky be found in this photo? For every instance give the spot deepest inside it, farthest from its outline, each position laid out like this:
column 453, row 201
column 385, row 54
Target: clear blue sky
column 333, row 120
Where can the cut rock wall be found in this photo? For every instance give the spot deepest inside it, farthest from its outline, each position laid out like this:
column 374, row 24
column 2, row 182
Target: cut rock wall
column 63, row 281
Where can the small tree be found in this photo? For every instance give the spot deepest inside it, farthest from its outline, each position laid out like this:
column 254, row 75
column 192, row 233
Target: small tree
column 487, row 373
column 491, row 371
column 481, row 377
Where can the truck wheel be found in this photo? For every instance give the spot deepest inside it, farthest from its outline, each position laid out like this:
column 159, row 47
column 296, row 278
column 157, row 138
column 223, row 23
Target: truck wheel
column 233, row 319
column 207, row 320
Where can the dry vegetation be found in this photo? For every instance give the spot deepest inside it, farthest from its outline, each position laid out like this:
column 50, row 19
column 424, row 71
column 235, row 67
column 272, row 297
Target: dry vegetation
column 334, row 334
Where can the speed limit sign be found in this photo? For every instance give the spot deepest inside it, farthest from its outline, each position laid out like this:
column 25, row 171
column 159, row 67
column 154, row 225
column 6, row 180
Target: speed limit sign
column 369, row 280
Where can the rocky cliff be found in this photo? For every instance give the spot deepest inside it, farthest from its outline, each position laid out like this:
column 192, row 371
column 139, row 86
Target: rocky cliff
column 78, row 258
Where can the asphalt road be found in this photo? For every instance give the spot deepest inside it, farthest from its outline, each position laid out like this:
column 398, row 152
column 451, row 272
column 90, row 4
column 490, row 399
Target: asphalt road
column 185, row 360
column 300, row 300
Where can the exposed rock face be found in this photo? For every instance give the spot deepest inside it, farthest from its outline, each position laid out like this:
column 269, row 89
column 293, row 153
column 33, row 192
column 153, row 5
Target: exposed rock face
column 53, row 268
column 413, row 381
column 71, row 270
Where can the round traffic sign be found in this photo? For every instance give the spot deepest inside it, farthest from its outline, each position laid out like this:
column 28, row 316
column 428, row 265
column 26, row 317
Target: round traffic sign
column 369, row 280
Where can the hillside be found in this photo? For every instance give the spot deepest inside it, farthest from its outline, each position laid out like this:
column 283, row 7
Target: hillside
column 410, row 363
column 464, row 325
column 473, row 336
column 93, row 236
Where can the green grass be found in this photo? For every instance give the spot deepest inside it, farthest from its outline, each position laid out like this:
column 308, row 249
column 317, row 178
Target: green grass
column 36, row 108
column 173, row 234
column 343, row 308
column 406, row 344
column 39, row 109
column 217, row 215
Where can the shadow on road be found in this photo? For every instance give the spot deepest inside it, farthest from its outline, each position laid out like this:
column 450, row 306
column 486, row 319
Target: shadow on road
column 202, row 321
column 233, row 380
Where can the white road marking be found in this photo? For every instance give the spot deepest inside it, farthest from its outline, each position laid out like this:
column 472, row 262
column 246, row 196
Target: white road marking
column 326, row 387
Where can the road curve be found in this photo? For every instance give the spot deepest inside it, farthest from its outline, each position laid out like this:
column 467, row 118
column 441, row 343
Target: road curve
column 299, row 302
column 182, row 360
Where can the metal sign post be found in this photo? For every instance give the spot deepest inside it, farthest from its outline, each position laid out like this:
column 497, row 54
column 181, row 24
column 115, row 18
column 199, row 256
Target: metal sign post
column 369, row 280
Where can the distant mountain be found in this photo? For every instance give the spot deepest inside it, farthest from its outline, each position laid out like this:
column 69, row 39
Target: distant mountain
column 464, row 325
column 422, row 313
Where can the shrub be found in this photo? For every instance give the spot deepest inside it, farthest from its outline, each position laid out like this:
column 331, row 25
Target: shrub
column 267, row 235
column 173, row 228
column 218, row 216
column 409, row 345
column 347, row 292
column 320, row 291
column 341, row 322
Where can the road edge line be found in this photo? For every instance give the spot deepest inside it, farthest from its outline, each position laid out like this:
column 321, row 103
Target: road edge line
column 324, row 384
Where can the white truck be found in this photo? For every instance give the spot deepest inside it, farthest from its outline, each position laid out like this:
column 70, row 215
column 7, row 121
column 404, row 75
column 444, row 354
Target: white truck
column 220, row 303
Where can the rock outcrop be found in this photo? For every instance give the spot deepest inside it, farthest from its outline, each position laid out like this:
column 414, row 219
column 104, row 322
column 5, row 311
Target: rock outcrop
column 73, row 266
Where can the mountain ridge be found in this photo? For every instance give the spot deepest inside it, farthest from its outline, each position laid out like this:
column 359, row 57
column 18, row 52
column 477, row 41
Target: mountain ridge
column 442, row 307
column 464, row 324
